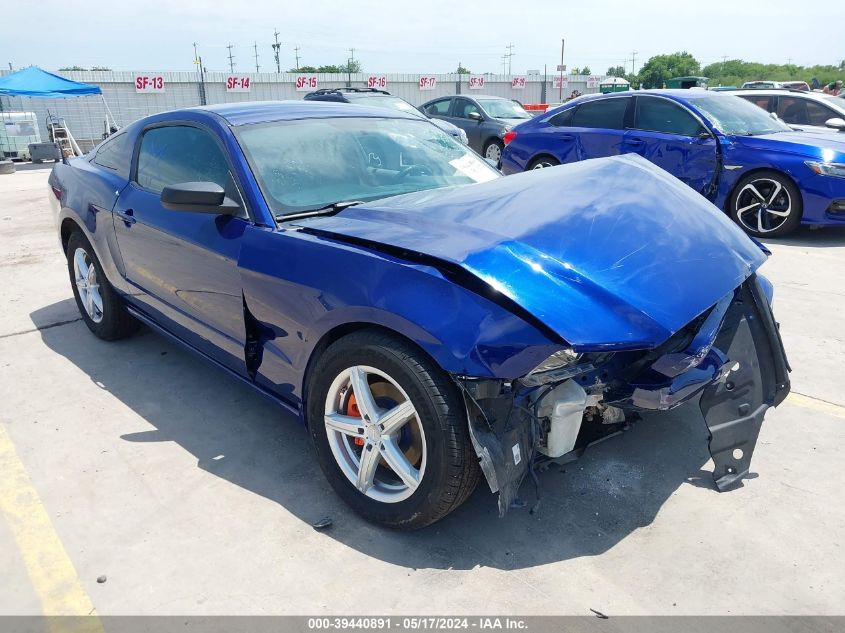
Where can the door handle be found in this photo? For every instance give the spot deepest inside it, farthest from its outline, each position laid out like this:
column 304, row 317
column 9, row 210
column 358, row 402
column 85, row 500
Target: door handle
column 636, row 142
column 127, row 216
column 565, row 137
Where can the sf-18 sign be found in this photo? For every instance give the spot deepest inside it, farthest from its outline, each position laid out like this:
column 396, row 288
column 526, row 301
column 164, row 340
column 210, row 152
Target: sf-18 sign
column 237, row 83
column 518, row 83
column 306, row 83
column 379, row 82
column 476, row 82
column 149, row 83
column 428, row 83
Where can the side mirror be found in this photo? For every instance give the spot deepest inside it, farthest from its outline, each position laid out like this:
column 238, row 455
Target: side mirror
column 204, row 197
column 836, row 123
column 475, row 116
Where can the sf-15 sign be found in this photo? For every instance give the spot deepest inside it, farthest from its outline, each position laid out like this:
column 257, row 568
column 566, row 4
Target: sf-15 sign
column 149, row 83
column 306, row 83
column 476, row 82
column 238, row 83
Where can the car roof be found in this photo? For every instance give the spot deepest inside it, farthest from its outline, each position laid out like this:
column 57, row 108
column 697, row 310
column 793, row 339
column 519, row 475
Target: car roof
column 675, row 93
column 247, row 112
column 816, row 96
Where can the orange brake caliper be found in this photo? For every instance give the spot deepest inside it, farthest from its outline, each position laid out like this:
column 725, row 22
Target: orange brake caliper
column 352, row 410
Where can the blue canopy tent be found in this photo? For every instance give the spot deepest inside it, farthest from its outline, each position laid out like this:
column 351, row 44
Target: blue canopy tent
column 34, row 82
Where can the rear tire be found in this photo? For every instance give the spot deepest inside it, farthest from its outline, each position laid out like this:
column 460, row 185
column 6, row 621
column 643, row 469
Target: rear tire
column 766, row 204
column 98, row 303
column 541, row 162
column 434, row 445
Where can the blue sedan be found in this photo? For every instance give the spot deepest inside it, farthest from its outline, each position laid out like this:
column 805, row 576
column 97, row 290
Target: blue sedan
column 766, row 176
column 430, row 321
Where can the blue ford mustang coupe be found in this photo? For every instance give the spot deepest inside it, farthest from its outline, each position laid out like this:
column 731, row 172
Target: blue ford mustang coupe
column 428, row 319
column 766, row 176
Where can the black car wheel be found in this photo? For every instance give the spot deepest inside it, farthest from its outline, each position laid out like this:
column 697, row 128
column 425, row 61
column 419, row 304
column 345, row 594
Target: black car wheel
column 766, row 204
column 389, row 430
column 98, row 303
column 541, row 162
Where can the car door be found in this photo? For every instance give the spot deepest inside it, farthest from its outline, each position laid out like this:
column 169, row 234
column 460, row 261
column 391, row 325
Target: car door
column 182, row 265
column 673, row 138
column 462, row 108
column 598, row 127
column 797, row 110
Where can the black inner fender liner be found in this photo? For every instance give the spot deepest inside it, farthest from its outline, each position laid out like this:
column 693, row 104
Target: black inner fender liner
column 755, row 378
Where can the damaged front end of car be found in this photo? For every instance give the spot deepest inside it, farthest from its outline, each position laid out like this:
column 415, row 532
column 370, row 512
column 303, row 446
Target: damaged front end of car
column 731, row 356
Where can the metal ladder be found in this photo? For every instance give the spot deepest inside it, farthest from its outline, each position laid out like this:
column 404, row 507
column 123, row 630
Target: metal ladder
column 61, row 136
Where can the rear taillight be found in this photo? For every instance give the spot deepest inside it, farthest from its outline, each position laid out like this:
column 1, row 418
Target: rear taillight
column 509, row 136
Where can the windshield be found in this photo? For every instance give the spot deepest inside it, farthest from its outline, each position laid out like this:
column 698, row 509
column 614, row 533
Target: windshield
column 735, row 115
column 503, row 109
column 309, row 164
column 393, row 103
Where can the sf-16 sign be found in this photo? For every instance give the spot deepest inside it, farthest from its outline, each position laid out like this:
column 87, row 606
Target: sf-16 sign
column 149, row 83
column 238, row 83
column 306, row 83
column 379, row 82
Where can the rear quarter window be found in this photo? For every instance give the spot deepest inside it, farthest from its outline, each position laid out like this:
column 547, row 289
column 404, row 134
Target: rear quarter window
column 115, row 154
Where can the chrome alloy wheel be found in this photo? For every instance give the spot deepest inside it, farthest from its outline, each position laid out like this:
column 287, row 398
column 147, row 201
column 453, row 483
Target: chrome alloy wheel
column 375, row 434
column 85, row 275
column 763, row 205
column 493, row 152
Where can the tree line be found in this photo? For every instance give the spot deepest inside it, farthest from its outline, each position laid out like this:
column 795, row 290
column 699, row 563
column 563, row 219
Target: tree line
column 730, row 72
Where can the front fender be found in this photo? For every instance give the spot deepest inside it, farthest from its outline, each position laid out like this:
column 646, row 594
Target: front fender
column 301, row 287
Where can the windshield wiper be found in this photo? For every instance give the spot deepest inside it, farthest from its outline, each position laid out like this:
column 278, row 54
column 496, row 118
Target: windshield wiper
column 329, row 209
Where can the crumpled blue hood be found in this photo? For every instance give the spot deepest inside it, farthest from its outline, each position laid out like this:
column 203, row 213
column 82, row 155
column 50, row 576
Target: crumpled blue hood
column 612, row 253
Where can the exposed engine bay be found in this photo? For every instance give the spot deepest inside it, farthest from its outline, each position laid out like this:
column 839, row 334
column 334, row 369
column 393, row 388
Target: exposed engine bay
column 731, row 356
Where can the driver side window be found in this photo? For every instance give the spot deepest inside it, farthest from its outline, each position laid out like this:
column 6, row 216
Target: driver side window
column 463, row 108
column 180, row 153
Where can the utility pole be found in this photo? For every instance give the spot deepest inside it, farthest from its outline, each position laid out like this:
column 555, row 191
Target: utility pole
column 349, row 63
column 634, row 62
column 296, row 50
column 276, row 48
column 231, row 59
column 255, row 48
column 560, row 94
column 509, row 55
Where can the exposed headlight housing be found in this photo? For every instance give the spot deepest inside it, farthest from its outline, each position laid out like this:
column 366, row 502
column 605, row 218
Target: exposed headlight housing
column 561, row 365
column 827, row 169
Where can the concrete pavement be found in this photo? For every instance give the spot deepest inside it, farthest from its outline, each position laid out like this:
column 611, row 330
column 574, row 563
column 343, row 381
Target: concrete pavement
column 194, row 495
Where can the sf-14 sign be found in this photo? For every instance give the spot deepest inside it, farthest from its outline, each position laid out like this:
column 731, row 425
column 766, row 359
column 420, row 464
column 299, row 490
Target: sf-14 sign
column 238, row 83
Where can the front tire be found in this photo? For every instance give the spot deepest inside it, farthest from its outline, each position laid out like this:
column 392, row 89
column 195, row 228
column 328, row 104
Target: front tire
column 766, row 204
column 98, row 303
column 493, row 150
column 389, row 430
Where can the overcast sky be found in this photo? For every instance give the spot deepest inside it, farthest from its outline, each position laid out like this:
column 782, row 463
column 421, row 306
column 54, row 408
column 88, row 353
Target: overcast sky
column 415, row 36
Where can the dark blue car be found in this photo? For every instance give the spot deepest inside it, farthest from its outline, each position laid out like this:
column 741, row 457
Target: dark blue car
column 429, row 320
column 768, row 178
